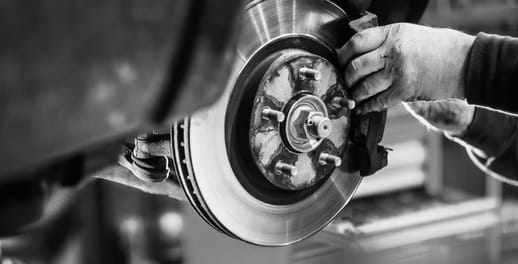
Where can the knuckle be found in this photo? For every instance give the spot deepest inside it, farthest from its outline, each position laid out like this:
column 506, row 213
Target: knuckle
column 357, row 94
column 368, row 86
column 356, row 40
column 378, row 101
column 388, row 72
column 355, row 66
column 349, row 81
column 370, row 106
column 397, row 48
column 394, row 29
column 349, row 76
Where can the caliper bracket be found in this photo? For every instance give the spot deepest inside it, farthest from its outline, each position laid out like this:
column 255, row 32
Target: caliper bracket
column 367, row 130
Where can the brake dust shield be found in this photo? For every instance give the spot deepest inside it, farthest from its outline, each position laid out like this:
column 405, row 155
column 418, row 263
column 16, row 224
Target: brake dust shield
column 267, row 163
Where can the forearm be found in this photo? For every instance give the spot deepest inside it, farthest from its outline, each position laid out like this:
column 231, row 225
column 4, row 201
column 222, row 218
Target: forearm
column 505, row 165
column 490, row 131
column 492, row 73
column 492, row 136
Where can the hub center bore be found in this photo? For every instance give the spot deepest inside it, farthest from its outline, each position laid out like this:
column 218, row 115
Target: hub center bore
column 307, row 123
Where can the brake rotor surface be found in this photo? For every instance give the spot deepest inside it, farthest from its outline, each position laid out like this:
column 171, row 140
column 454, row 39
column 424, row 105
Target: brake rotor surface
column 217, row 160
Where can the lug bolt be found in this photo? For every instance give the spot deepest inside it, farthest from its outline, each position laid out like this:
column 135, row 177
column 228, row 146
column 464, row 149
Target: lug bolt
column 320, row 126
column 284, row 168
column 326, row 158
column 270, row 114
column 309, row 73
column 343, row 102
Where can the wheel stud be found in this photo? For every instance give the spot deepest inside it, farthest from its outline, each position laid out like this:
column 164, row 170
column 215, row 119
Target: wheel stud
column 326, row 158
column 284, row 168
column 309, row 73
column 274, row 115
column 343, row 102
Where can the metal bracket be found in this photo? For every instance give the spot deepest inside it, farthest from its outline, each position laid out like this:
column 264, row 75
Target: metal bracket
column 368, row 129
column 149, row 157
column 367, row 134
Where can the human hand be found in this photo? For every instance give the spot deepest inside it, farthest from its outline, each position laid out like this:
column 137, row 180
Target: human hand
column 452, row 116
column 404, row 62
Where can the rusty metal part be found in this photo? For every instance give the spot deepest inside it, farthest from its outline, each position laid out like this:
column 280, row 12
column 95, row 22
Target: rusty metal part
column 303, row 85
column 287, row 169
column 212, row 150
column 270, row 114
column 326, row 158
column 308, row 73
column 343, row 102
column 150, row 157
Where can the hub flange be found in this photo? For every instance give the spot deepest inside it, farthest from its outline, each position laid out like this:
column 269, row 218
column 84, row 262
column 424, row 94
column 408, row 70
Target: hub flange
column 296, row 124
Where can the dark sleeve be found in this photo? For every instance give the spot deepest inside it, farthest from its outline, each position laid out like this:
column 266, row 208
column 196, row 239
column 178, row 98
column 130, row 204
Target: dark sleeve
column 495, row 133
column 492, row 73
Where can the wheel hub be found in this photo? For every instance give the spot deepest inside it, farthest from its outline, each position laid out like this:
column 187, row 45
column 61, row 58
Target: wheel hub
column 307, row 123
column 297, row 131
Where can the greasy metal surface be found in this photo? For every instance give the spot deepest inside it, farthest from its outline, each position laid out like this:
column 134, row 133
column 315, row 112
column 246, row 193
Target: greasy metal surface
column 76, row 73
column 290, row 142
column 216, row 191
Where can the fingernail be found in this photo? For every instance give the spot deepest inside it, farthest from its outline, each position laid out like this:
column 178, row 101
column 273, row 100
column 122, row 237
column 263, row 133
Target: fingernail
column 351, row 104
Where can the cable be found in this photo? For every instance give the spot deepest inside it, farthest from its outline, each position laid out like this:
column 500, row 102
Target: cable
column 493, row 174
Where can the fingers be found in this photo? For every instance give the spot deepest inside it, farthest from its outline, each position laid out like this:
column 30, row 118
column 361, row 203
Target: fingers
column 372, row 85
column 379, row 102
column 364, row 65
column 362, row 42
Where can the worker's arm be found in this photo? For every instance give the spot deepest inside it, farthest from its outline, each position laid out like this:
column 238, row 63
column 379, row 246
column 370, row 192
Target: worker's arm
column 492, row 72
column 492, row 139
column 490, row 135
column 406, row 62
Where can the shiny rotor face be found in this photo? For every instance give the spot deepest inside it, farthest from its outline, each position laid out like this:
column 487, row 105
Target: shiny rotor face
column 213, row 149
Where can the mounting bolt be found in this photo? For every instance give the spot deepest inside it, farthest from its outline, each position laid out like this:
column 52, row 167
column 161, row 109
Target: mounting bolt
column 309, row 73
column 270, row 114
column 284, row 168
column 343, row 102
column 326, row 158
column 319, row 125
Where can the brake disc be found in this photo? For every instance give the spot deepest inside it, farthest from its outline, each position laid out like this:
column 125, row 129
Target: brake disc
column 268, row 163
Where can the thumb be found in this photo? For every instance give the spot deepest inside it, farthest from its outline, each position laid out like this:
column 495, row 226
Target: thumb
column 380, row 102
